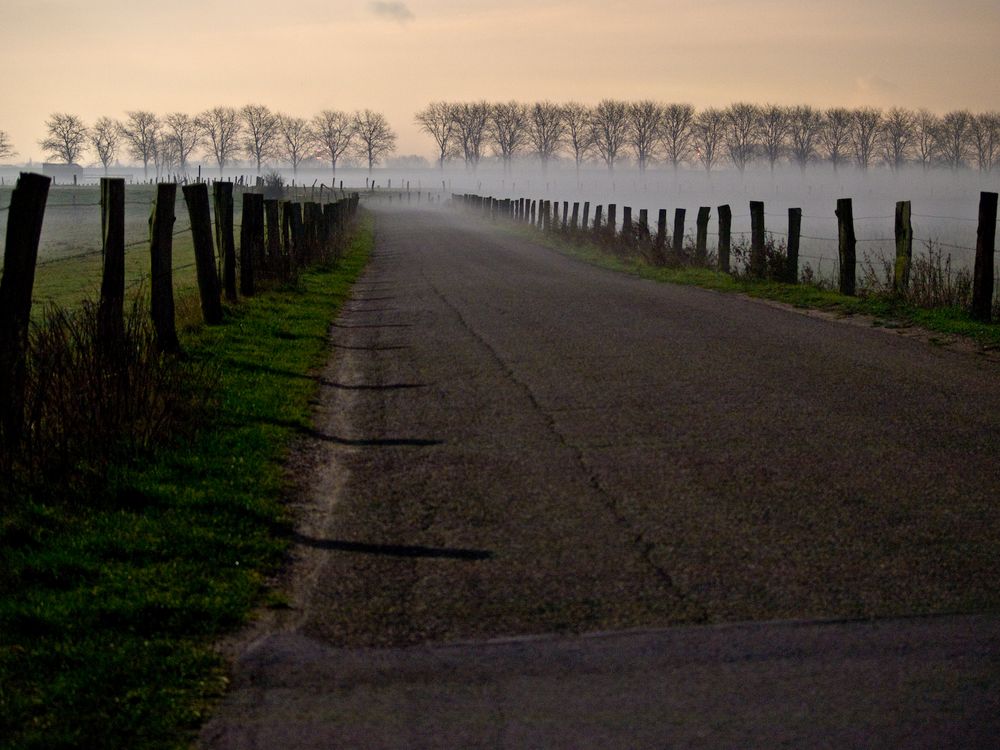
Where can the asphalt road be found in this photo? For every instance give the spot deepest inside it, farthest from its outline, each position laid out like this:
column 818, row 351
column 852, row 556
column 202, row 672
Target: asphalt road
column 511, row 442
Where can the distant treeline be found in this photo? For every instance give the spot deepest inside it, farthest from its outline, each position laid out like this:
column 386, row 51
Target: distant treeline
column 740, row 134
column 222, row 133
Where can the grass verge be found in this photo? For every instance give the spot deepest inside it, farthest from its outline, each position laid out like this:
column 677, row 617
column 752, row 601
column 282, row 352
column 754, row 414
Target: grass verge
column 885, row 311
column 109, row 606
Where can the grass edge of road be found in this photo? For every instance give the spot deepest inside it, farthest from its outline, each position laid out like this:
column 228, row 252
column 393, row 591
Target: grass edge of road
column 109, row 635
column 883, row 311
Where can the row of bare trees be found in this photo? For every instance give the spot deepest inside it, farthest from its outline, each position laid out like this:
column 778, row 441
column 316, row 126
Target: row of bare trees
column 223, row 134
column 741, row 134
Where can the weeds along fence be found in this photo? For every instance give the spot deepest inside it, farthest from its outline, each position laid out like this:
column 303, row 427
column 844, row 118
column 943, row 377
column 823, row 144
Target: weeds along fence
column 277, row 238
column 756, row 254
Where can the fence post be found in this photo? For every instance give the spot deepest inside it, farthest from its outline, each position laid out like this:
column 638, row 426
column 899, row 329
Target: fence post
column 273, row 220
column 586, row 215
column 904, row 248
column 575, row 220
column 597, row 220
column 612, row 226
column 661, row 234
column 627, row 226
column 248, row 250
column 794, row 233
column 196, row 198
column 161, row 247
column 757, row 259
column 24, row 230
column 643, row 225
column 222, row 192
column 701, row 238
column 678, row 242
column 532, row 219
column 982, row 275
column 847, row 245
column 725, row 229
column 296, row 233
column 111, row 308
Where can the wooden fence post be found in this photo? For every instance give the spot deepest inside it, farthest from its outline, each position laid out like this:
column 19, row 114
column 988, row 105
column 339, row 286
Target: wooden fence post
column 904, row 248
column 222, row 192
column 678, row 242
column 661, row 234
column 248, row 239
column 111, row 308
column 272, row 217
column 612, row 226
column 597, row 219
column 532, row 219
column 701, row 238
column 196, row 198
column 847, row 245
column 161, row 287
column 24, row 230
column 794, row 233
column 575, row 220
column 627, row 234
column 982, row 275
column 725, row 237
column 643, row 225
column 758, row 260
column 586, row 215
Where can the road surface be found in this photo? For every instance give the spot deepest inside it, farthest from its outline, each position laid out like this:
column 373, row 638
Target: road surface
column 798, row 515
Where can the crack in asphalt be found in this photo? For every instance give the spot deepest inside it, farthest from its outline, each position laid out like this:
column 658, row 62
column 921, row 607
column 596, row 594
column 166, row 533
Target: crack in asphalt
column 644, row 547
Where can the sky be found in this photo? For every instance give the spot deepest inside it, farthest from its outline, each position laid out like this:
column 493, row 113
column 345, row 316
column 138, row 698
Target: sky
column 104, row 57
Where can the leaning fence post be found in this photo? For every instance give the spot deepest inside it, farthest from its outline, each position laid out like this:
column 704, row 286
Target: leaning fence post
column 847, row 245
column 248, row 235
column 612, row 225
column 757, row 258
column 794, row 233
column 627, row 234
column 701, row 238
column 725, row 238
column 597, row 219
column 161, row 289
column 586, row 215
column 661, row 234
column 982, row 275
column 904, row 248
column 223, row 195
column 24, row 230
column 111, row 308
column 196, row 198
column 575, row 220
column 273, row 221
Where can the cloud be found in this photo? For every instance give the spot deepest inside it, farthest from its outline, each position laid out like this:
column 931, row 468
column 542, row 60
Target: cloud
column 393, row 11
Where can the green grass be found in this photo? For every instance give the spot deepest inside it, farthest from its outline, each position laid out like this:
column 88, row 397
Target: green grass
column 884, row 311
column 110, row 605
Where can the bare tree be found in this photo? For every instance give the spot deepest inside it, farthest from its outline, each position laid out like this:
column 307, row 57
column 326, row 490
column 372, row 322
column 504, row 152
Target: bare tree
column 375, row 137
column 866, row 124
column 334, row 134
column 6, row 147
column 106, row 138
column 609, row 129
column 66, row 137
column 165, row 155
column 260, row 133
column 438, row 121
column 546, row 130
column 773, row 126
column 297, row 140
column 677, row 132
column 985, row 137
column 953, row 138
column 836, row 135
column 183, row 135
column 709, row 125
column 579, row 136
column 141, row 130
column 470, row 127
column 896, row 135
column 507, row 127
column 645, row 120
column 925, row 131
column 221, row 129
column 740, row 133
column 805, row 126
